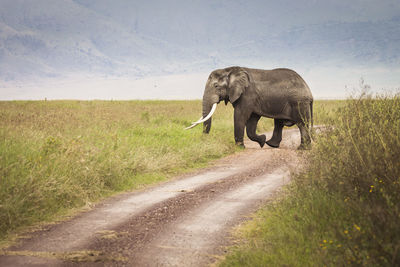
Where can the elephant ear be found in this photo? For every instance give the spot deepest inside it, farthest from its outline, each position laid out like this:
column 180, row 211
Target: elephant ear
column 238, row 82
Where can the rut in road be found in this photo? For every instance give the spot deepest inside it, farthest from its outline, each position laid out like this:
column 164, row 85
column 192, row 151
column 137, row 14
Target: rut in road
column 183, row 222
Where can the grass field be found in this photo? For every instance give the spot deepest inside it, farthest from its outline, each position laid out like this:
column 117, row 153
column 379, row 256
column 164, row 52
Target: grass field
column 344, row 208
column 56, row 156
column 59, row 155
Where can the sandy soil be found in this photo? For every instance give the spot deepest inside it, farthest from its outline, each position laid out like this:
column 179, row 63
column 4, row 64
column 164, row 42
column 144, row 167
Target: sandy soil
column 184, row 222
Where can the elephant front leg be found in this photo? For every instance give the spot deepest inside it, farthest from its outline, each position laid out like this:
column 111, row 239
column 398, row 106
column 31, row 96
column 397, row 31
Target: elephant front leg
column 251, row 127
column 277, row 134
column 239, row 124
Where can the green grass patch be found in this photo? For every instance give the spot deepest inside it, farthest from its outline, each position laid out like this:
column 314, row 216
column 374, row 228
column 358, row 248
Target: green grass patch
column 344, row 209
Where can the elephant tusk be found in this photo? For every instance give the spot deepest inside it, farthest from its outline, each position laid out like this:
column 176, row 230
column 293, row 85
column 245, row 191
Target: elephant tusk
column 198, row 120
column 191, row 126
column 214, row 107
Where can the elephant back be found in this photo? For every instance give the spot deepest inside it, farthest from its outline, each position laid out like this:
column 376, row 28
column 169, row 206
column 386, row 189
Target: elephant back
column 281, row 84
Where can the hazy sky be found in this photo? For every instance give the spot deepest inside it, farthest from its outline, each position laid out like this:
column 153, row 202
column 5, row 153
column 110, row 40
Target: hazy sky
column 88, row 49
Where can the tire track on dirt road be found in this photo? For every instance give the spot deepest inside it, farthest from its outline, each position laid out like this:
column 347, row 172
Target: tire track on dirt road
column 183, row 222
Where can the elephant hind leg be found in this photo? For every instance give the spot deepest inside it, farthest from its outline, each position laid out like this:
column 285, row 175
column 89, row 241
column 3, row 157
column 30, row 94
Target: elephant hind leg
column 251, row 127
column 277, row 134
column 303, row 117
column 305, row 136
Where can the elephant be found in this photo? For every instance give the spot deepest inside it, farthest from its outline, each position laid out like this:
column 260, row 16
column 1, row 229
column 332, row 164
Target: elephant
column 280, row 94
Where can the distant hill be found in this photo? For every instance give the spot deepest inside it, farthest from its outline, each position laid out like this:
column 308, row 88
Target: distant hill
column 47, row 38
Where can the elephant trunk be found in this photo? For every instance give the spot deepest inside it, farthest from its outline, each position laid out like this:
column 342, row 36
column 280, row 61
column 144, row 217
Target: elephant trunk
column 207, row 123
column 209, row 99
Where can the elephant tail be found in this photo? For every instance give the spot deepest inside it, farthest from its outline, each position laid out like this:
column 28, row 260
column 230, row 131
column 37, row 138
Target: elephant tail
column 312, row 115
column 312, row 120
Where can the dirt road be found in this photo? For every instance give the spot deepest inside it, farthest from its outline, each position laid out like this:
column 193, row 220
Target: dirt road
column 184, row 222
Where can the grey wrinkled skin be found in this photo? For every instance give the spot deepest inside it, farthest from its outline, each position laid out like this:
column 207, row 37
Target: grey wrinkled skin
column 280, row 94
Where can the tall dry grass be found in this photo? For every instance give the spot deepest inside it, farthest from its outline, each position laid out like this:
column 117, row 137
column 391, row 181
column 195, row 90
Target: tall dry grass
column 345, row 208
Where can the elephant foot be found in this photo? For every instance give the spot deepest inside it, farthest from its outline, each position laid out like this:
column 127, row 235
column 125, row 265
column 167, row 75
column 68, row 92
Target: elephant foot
column 240, row 144
column 272, row 143
column 262, row 141
column 304, row 147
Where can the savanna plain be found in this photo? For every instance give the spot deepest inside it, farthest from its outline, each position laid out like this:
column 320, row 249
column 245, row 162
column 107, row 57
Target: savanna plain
column 59, row 157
